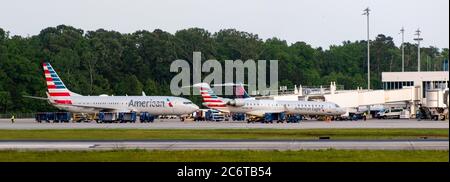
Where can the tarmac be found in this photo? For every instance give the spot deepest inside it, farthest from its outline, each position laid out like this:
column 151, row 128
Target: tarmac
column 30, row 124
column 228, row 145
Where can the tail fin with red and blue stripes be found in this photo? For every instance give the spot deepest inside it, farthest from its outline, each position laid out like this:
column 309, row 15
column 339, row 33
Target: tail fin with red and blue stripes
column 56, row 90
column 240, row 92
column 210, row 99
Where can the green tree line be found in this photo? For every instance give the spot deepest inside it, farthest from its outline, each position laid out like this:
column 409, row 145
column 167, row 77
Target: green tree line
column 113, row 63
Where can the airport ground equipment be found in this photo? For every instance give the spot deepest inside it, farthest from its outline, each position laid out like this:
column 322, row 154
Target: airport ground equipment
column 107, row 117
column 430, row 113
column 146, row 117
column 356, row 116
column 199, row 115
column 294, row 118
column 238, row 116
column 55, row 117
column 353, row 116
column 187, row 117
column 436, row 107
column 270, row 117
column 62, row 117
column 437, row 103
column 125, row 117
column 84, row 117
column 44, row 116
column 214, row 115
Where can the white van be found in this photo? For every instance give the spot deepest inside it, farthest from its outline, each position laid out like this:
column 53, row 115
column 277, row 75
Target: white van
column 390, row 114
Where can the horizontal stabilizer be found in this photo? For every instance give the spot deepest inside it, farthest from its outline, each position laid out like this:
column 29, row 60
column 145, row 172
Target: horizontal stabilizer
column 33, row 97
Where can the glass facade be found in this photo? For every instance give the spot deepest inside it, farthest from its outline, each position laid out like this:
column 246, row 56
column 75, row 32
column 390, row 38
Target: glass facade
column 396, row 85
column 427, row 85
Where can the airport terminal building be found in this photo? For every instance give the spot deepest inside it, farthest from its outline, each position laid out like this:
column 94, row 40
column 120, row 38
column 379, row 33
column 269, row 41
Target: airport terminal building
column 426, row 81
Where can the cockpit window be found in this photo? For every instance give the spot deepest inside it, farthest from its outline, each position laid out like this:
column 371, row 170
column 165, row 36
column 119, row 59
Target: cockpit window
column 335, row 105
column 187, row 103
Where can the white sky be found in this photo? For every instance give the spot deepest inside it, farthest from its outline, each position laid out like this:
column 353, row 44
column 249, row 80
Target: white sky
column 317, row 22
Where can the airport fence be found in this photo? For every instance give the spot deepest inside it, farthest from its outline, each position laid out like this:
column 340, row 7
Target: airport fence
column 17, row 115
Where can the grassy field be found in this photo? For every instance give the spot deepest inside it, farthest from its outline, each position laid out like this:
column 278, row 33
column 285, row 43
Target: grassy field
column 226, row 156
column 218, row 134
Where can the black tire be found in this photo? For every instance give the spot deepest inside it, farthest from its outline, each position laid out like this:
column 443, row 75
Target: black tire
column 435, row 118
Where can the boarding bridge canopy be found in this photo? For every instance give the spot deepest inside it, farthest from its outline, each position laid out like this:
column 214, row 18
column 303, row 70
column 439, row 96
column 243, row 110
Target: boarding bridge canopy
column 373, row 97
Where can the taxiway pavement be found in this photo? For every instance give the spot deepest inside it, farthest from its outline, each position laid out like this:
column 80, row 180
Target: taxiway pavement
column 228, row 145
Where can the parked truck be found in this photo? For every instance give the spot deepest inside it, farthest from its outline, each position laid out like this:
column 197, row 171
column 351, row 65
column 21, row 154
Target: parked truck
column 214, row 115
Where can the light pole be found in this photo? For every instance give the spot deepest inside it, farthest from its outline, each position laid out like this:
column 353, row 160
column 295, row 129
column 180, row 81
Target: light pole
column 366, row 12
column 402, row 31
column 418, row 39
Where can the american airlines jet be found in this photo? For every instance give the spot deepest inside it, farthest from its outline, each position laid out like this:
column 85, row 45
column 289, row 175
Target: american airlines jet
column 59, row 96
column 254, row 107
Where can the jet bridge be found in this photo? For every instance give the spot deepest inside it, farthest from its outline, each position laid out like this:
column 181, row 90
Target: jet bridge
column 351, row 99
column 360, row 97
column 356, row 98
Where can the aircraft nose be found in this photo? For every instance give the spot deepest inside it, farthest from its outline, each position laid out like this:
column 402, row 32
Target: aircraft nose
column 195, row 107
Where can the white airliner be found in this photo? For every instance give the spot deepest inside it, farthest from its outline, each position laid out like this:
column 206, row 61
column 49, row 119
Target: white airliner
column 59, row 96
column 258, row 108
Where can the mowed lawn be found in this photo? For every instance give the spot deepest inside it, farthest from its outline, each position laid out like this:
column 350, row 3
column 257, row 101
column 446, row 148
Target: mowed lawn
column 226, row 156
column 221, row 134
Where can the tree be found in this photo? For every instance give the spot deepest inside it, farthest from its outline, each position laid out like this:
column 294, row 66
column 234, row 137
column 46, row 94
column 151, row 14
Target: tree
column 109, row 62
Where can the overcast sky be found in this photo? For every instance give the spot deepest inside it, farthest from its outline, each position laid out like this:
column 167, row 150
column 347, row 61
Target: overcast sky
column 317, row 22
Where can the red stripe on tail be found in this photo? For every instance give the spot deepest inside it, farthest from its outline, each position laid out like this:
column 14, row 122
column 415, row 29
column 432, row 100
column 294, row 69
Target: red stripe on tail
column 56, row 94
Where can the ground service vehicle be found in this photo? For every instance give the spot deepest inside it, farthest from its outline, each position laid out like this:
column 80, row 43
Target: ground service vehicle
column 55, row 117
column 146, row 117
column 390, row 113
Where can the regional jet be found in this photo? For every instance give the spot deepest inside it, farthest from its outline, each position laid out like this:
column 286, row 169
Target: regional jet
column 255, row 107
column 61, row 97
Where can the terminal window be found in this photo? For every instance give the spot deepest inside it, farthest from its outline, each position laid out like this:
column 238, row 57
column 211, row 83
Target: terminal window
column 397, row 85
